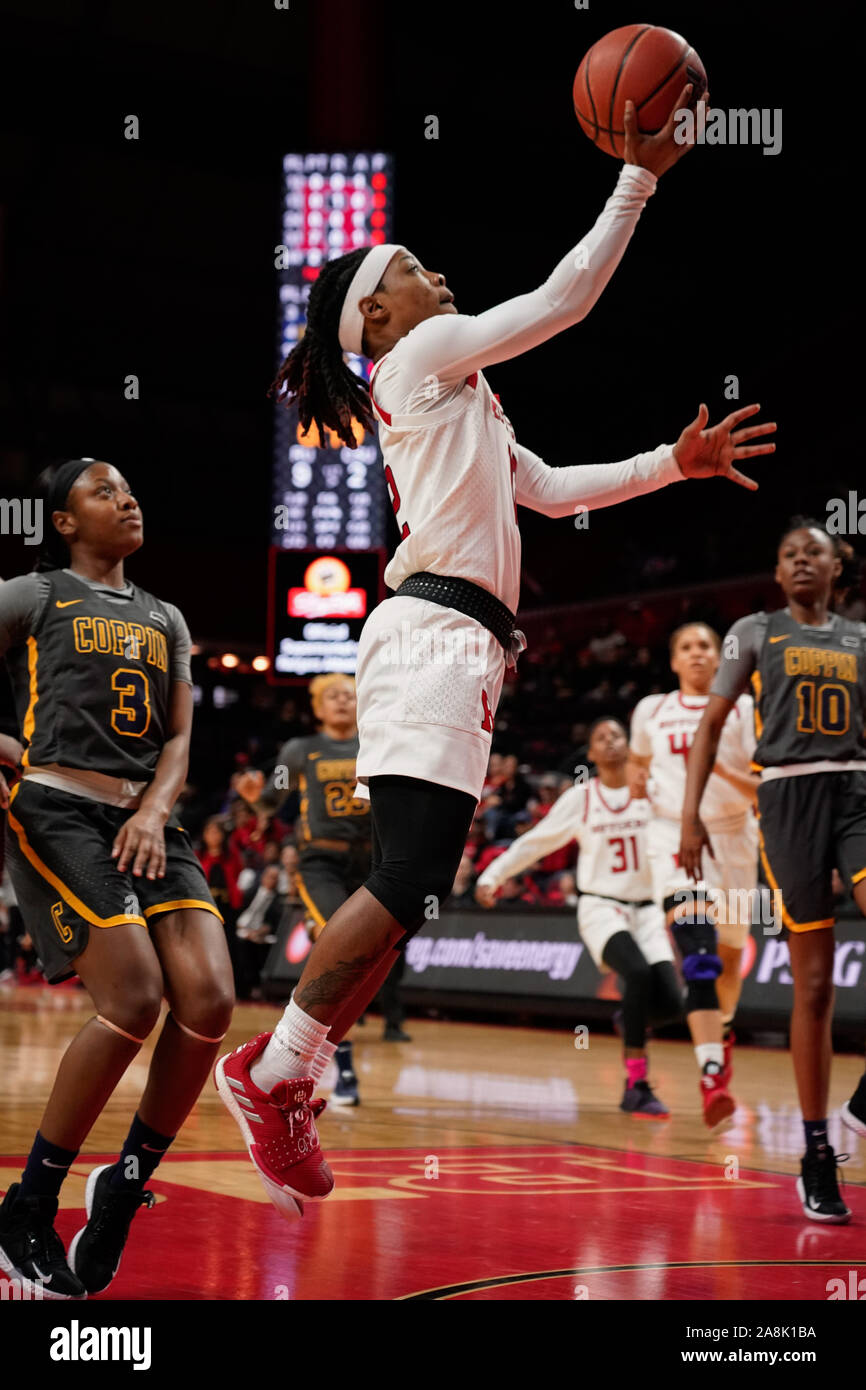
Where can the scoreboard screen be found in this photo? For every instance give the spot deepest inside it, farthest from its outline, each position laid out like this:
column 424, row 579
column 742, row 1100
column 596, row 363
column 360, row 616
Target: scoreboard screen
column 326, row 496
column 318, row 605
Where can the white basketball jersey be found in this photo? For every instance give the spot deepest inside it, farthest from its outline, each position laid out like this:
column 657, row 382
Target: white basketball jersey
column 451, row 475
column 663, row 728
column 610, row 829
column 613, row 859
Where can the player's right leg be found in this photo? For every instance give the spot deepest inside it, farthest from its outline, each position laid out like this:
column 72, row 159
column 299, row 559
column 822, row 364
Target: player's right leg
column 83, row 917
column 796, row 824
column 321, row 883
column 688, row 914
column 421, row 829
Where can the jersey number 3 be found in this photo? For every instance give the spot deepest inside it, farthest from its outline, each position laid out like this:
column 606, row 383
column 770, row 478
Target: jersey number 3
column 131, row 714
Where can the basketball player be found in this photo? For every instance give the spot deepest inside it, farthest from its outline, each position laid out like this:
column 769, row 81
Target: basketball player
column 333, row 825
column 619, row 923
column 807, row 668
column 106, row 879
column 708, row 924
column 455, row 472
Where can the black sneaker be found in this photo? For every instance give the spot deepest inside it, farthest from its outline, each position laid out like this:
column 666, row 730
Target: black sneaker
column 394, row 1032
column 346, row 1090
column 96, row 1250
column 853, row 1112
column 818, row 1189
column 31, row 1251
column 641, row 1101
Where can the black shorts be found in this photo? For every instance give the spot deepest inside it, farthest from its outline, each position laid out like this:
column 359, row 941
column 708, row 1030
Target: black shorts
column 326, row 878
column 810, row 825
column 58, row 851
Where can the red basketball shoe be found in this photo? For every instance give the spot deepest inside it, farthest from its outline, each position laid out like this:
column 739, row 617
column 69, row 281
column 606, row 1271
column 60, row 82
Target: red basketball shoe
column 718, row 1104
column 279, row 1129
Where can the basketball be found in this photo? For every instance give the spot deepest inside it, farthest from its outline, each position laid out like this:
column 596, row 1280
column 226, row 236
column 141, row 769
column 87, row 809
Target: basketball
column 639, row 62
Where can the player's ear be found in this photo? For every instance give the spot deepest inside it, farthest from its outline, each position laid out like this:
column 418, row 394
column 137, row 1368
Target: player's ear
column 64, row 523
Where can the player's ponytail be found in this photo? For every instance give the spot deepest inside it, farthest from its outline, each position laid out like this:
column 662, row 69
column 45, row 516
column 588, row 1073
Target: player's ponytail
column 53, row 486
column 315, row 373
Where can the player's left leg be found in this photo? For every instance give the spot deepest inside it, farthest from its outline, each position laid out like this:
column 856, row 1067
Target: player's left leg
column 197, row 976
column 690, row 916
column 608, row 930
column 421, row 827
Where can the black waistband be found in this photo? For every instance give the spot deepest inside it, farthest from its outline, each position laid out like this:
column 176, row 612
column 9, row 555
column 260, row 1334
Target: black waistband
column 464, row 596
column 623, row 902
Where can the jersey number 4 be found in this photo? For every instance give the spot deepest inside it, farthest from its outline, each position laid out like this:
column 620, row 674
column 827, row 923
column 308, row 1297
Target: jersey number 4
column 131, row 714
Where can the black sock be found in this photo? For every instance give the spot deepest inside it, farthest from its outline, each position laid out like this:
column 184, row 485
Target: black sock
column 46, row 1168
column 816, row 1134
column 343, row 1056
column 141, row 1152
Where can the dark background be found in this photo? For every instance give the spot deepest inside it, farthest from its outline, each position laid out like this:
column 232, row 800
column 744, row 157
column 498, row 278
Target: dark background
column 156, row 257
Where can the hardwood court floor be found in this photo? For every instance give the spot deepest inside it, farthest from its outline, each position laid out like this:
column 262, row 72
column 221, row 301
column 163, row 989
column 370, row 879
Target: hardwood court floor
column 483, row 1163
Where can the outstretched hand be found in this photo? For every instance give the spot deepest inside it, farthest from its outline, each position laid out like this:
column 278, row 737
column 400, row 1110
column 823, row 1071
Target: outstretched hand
column 660, row 151
column 711, row 453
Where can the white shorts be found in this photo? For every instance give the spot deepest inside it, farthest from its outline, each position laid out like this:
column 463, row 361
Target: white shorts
column 734, row 870
column 598, row 919
column 428, row 682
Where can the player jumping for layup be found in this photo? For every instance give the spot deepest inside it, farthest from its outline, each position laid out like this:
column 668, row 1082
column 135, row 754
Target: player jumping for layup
column 455, row 473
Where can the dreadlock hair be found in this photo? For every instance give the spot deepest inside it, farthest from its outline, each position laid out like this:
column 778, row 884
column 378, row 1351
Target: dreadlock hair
column 314, row 373
column 849, row 576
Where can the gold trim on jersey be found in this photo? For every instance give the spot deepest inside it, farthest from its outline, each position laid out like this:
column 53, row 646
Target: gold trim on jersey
column 30, row 717
column 756, row 688
column 308, row 901
column 786, row 916
column 858, row 877
column 179, row 903
column 66, row 893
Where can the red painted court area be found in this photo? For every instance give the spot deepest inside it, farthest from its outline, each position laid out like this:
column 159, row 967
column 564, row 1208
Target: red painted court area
column 543, row 1221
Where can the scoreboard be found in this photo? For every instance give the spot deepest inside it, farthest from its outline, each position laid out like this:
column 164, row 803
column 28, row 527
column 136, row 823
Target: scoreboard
column 330, row 503
column 318, row 606
column 326, row 496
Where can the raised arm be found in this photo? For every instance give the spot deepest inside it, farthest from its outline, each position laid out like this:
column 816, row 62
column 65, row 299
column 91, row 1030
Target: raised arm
column 559, row 826
column 451, row 347
column 700, row 452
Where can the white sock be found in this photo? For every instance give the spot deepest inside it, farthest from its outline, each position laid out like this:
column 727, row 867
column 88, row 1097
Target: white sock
column 294, row 1044
column 321, row 1060
column 710, row 1052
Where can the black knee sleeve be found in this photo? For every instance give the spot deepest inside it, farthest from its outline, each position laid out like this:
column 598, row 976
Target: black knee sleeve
column 666, row 996
column 623, row 955
column 420, row 831
column 695, row 935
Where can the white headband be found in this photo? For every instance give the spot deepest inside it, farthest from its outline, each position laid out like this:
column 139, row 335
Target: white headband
column 364, row 282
